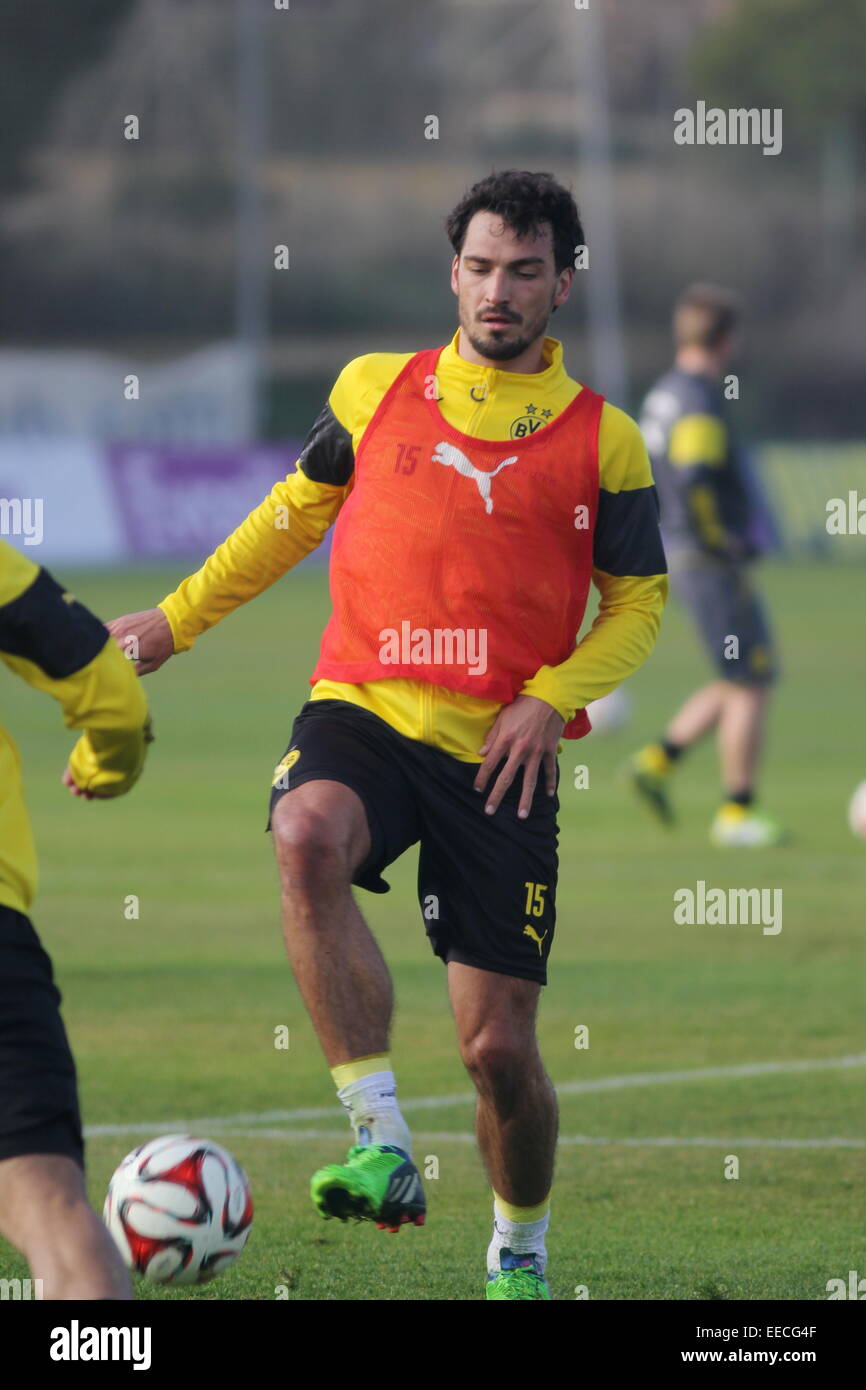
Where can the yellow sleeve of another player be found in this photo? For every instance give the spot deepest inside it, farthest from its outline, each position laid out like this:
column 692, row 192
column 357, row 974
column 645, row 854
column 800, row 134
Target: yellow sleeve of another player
column 704, row 512
column 104, row 699
column 286, row 526
column 109, row 756
column 58, row 646
column 698, row 447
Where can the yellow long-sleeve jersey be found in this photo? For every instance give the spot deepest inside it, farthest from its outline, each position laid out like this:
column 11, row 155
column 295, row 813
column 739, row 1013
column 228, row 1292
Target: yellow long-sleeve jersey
column 487, row 403
column 57, row 645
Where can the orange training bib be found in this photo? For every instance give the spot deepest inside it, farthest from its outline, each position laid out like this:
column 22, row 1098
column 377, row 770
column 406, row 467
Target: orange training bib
column 460, row 561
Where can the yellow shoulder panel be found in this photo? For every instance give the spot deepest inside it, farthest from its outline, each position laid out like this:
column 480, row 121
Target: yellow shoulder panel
column 360, row 387
column 623, row 462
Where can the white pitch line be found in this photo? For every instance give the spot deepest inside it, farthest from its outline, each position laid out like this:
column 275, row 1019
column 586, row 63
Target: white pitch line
column 568, row 1088
column 670, row 1141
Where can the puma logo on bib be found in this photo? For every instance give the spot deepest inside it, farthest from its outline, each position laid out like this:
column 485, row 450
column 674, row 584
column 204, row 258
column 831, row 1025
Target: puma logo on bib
column 452, row 457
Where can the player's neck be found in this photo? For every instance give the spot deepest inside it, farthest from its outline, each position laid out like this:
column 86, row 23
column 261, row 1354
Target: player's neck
column 530, row 361
column 699, row 362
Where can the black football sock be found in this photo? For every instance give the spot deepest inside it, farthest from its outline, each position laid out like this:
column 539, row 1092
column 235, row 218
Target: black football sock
column 672, row 750
column 743, row 799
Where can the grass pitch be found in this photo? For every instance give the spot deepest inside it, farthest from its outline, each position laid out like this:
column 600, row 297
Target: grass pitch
column 172, row 1015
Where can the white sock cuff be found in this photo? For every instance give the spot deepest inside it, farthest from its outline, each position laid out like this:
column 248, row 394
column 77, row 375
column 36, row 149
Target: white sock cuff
column 523, row 1237
column 373, row 1083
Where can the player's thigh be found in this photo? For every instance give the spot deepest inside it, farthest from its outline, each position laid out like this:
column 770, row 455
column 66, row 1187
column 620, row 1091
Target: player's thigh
column 729, row 618
column 340, row 796
column 487, row 884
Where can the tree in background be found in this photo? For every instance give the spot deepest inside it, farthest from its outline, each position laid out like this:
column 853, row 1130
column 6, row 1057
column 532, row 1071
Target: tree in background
column 39, row 54
column 810, row 61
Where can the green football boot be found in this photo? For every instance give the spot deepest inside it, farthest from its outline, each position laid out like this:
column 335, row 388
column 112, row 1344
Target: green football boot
column 518, row 1277
column 742, row 827
column 378, row 1182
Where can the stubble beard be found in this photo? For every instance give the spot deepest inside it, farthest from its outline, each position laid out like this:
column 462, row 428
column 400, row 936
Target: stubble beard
column 503, row 349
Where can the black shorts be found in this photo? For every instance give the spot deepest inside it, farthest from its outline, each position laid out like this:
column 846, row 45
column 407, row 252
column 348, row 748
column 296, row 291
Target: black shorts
column 728, row 614
column 486, row 884
column 38, row 1093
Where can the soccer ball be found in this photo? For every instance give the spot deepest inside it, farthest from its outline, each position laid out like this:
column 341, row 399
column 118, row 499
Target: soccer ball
column 179, row 1209
column 611, row 712
column 857, row 811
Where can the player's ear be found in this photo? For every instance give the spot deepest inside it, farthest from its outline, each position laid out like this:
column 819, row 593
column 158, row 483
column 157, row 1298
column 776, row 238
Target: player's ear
column 454, row 265
column 564, row 282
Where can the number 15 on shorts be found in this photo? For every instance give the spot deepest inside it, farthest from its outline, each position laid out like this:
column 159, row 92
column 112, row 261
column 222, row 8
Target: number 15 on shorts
column 535, row 902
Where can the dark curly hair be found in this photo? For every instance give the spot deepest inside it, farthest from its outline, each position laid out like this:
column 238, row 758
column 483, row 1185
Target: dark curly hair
column 525, row 202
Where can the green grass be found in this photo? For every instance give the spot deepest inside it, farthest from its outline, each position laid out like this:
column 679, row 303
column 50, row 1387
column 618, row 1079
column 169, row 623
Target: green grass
column 172, row 1016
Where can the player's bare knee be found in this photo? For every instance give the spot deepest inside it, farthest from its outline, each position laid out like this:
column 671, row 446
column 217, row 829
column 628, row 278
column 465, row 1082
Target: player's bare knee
column 495, row 1059
column 311, row 850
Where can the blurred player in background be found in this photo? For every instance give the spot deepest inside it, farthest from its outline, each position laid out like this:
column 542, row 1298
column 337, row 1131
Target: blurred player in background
column 479, row 487
column 56, row 645
column 708, row 518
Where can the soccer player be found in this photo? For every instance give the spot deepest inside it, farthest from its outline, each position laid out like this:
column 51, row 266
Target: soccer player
column 478, row 489
column 56, row 645
column 709, row 523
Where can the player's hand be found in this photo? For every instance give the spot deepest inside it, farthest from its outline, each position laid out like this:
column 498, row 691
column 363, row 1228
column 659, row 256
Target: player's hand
column 525, row 733
column 146, row 634
column 70, row 782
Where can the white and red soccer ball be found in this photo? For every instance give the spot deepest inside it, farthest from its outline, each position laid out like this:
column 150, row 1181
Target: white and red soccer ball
column 179, row 1209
